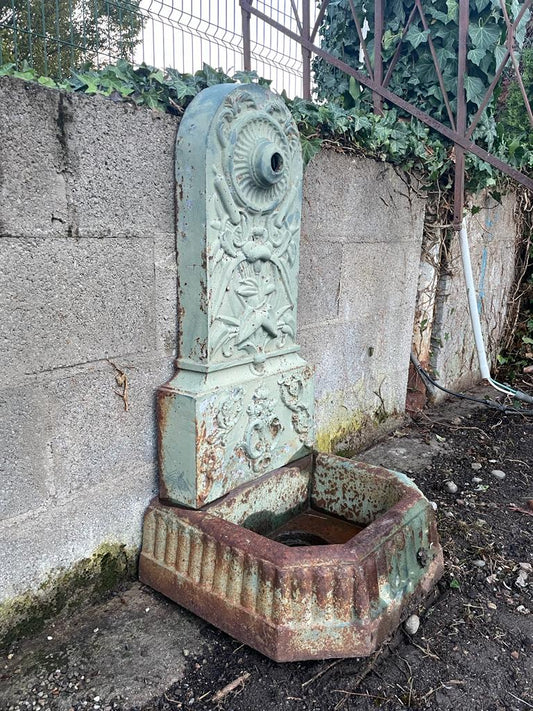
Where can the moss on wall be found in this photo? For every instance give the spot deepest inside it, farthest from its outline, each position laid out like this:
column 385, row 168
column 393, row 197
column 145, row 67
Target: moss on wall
column 349, row 435
column 87, row 580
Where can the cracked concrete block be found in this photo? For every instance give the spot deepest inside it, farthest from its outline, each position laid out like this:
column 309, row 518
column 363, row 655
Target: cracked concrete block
column 122, row 167
column 33, row 198
column 110, row 512
column 70, row 431
column 355, row 199
column 319, row 280
column 377, row 278
column 76, row 165
column 24, row 454
column 65, row 302
column 92, row 437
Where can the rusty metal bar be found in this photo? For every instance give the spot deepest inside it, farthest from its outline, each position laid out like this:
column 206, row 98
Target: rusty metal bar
column 246, row 42
column 296, row 16
column 361, row 39
column 516, row 66
column 436, row 63
column 459, row 183
column 319, row 19
column 398, row 50
column 306, row 52
column 379, row 17
column 499, row 71
column 460, row 140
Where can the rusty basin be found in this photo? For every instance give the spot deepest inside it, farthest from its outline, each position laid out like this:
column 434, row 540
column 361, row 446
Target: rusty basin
column 321, row 558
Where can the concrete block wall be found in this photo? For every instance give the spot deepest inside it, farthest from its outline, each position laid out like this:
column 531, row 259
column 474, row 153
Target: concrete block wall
column 87, row 289
column 359, row 261
column 88, row 293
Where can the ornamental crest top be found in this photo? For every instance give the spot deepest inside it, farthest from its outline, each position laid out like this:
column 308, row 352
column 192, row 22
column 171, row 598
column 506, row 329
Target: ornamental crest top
column 239, row 201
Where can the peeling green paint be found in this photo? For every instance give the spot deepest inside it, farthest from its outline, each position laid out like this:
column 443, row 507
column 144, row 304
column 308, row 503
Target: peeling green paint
column 65, row 589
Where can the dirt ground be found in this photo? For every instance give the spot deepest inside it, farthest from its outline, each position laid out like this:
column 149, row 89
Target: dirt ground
column 473, row 650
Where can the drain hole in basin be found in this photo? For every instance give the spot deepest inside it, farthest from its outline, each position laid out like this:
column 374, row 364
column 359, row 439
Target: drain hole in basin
column 299, row 538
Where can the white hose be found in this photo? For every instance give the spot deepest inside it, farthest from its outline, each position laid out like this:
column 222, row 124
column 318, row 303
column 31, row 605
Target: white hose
column 472, row 302
column 476, row 322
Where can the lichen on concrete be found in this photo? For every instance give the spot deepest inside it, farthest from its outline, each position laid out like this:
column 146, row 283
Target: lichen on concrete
column 348, row 435
column 86, row 581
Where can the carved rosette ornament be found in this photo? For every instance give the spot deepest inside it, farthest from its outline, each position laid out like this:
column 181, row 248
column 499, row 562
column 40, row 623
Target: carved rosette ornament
column 241, row 402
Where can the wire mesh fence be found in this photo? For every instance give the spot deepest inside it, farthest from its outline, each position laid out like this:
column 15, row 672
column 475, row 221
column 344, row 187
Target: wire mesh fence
column 56, row 37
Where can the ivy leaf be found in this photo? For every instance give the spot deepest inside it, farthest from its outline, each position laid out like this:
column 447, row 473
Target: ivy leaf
column 359, row 123
column 416, row 36
column 499, row 54
column 484, row 36
column 46, row 81
column 182, row 89
column 90, row 80
column 475, row 89
column 476, row 55
column 453, row 9
column 355, row 88
column 310, row 147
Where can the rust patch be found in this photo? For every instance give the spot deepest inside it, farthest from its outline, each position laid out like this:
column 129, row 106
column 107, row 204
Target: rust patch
column 295, row 603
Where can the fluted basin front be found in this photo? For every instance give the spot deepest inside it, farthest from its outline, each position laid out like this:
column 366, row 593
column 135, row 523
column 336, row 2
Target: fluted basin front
column 303, row 601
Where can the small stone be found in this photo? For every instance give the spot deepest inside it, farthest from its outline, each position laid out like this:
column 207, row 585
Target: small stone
column 449, row 514
column 515, row 654
column 479, row 563
column 186, row 652
column 412, row 624
column 521, row 580
column 476, row 480
column 452, row 487
column 476, row 466
column 492, row 606
column 498, row 473
column 433, row 505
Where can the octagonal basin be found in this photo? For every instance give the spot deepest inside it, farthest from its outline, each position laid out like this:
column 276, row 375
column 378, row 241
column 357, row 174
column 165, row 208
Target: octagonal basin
column 321, row 558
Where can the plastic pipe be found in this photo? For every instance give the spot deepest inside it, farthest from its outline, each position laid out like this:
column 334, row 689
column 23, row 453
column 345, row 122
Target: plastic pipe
column 472, row 302
column 476, row 322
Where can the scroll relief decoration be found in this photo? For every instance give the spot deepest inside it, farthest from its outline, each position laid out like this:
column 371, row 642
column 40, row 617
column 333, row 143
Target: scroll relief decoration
column 253, row 240
column 291, row 389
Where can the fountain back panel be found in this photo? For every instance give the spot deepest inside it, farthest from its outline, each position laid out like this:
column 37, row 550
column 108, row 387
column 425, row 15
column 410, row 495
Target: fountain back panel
column 299, row 555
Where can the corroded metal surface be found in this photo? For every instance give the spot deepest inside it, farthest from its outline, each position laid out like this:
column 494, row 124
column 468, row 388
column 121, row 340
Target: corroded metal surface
column 241, row 402
column 306, row 602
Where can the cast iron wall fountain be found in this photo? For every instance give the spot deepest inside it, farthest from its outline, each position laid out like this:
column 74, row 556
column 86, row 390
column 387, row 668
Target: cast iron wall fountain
column 300, row 555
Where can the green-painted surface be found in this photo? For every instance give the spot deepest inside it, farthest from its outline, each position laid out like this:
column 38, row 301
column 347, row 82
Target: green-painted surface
column 87, row 580
column 242, row 401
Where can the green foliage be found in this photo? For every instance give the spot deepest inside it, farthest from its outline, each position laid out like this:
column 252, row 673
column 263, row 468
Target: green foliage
column 415, row 80
column 514, row 116
column 54, row 36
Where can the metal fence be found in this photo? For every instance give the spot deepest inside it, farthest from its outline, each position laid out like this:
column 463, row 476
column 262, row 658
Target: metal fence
column 372, row 72
column 58, row 36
